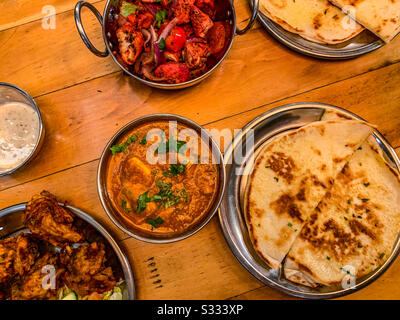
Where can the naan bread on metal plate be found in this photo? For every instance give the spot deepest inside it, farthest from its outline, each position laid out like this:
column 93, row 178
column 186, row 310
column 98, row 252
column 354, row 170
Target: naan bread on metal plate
column 315, row 20
column 354, row 227
column 290, row 177
column 381, row 17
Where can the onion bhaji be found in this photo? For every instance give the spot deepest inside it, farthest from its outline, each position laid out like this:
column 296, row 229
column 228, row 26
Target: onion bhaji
column 17, row 255
column 36, row 283
column 86, row 269
column 84, row 264
column 49, row 221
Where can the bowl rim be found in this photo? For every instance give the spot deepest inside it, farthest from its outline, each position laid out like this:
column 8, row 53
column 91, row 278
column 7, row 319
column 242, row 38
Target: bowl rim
column 165, row 85
column 41, row 128
column 102, row 166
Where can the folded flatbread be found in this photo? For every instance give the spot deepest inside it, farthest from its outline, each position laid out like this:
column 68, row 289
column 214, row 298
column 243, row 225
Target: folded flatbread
column 381, row 17
column 291, row 176
column 315, row 20
column 354, row 228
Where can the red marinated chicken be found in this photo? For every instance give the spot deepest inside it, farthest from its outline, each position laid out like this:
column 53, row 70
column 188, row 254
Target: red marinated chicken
column 171, row 41
column 207, row 6
column 130, row 43
column 181, row 10
column 196, row 53
column 173, row 72
column 200, row 21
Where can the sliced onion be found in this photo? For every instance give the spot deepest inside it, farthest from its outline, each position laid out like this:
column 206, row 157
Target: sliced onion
column 150, row 7
column 147, row 72
column 153, row 33
column 157, row 53
column 194, row 39
column 147, row 36
column 168, row 29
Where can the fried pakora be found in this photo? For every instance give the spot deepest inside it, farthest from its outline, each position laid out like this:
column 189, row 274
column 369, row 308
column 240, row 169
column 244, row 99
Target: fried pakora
column 61, row 253
column 87, row 271
column 41, row 281
column 49, row 221
column 17, row 255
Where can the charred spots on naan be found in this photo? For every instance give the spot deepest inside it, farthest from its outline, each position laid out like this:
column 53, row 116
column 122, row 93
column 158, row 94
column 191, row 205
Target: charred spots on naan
column 316, row 151
column 317, row 182
column 301, row 195
column 357, row 228
column 284, row 166
column 285, row 204
column 317, row 23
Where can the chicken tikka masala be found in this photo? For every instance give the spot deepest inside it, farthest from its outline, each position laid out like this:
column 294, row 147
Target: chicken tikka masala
column 163, row 198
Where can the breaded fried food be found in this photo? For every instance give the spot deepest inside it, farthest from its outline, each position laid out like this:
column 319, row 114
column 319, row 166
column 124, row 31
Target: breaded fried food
column 17, row 255
column 86, row 269
column 49, row 221
column 33, row 284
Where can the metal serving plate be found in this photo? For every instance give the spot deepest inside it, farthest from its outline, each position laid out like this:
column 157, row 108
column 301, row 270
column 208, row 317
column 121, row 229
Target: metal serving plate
column 10, row 223
column 363, row 43
column 266, row 127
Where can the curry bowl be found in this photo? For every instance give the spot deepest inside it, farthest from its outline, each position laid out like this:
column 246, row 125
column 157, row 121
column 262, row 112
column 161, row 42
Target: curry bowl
column 161, row 178
column 145, row 36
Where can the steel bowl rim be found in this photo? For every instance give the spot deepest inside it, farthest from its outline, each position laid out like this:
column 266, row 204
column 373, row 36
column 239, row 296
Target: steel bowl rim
column 167, row 85
column 123, row 260
column 227, row 232
column 41, row 129
column 103, row 163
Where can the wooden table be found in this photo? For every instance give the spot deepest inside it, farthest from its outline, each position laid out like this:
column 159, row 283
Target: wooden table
column 85, row 99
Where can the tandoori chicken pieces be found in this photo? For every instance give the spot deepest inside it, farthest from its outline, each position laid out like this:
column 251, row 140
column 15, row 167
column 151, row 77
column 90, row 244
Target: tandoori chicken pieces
column 171, row 41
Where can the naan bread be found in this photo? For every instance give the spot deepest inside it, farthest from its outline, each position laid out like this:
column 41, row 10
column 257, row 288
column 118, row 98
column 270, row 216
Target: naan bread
column 315, row 20
column 290, row 177
column 354, row 227
column 381, row 17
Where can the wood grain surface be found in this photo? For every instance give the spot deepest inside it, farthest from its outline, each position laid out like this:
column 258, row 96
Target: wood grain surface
column 85, row 99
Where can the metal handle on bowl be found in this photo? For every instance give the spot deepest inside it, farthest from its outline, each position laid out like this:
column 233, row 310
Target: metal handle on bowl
column 252, row 19
column 81, row 30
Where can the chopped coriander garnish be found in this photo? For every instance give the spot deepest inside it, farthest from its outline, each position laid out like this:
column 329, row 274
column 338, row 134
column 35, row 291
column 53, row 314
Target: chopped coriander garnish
column 360, row 164
column 268, row 167
column 276, row 179
column 381, row 255
column 155, row 222
column 143, row 199
column 327, row 257
column 345, row 218
column 161, row 44
column 128, row 9
column 359, row 245
column 326, row 10
column 347, row 210
column 143, row 141
column 124, row 206
column 366, row 184
column 160, row 17
column 367, row 210
column 122, row 147
column 290, row 225
column 174, row 170
column 172, row 145
column 335, row 16
column 359, row 148
column 364, row 199
column 349, row 201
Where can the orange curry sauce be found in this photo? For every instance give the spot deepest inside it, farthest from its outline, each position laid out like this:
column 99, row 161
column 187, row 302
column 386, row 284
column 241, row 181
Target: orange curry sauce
column 161, row 198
